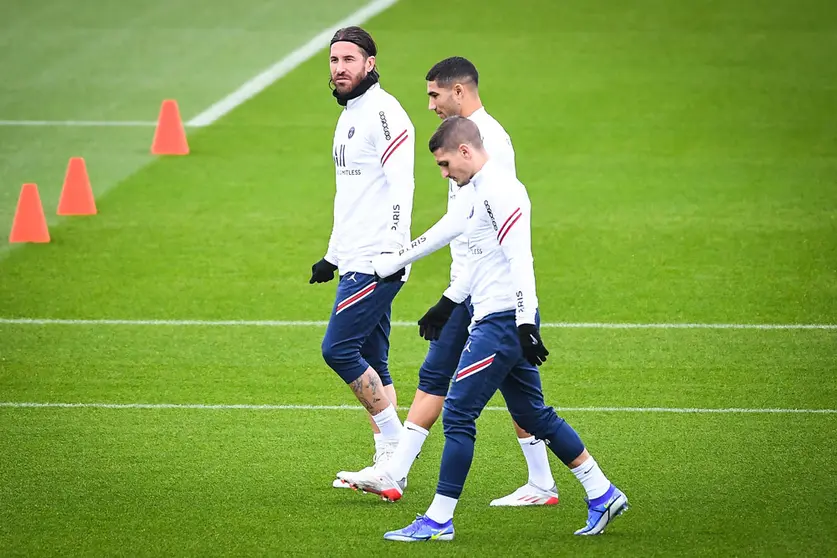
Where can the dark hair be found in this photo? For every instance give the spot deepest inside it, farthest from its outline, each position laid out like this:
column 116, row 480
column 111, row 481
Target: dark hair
column 453, row 132
column 364, row 42
column 359, row 37
column 452, row 70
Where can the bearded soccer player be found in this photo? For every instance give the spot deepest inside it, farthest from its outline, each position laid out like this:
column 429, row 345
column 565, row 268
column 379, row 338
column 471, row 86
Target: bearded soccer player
column 374, row 152
column 504, row 346
column 453, row 90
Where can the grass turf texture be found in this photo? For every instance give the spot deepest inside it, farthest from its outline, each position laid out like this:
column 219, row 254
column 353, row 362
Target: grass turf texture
column 681, row 162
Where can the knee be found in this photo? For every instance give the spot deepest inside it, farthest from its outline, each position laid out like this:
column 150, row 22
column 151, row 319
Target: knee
column 335, row 355
column 433, row 384
column 379, row 364
column 437, row 370
column 384, row 375
column 458, row 422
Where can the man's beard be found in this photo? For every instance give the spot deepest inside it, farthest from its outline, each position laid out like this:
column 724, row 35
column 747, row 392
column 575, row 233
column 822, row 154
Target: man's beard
column 354, row 83
column 343, row 97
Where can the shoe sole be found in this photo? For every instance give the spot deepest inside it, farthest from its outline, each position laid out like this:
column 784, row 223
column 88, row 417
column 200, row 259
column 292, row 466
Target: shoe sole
column 387, row 495
column 617, row 508
column 551, row 501
column 404, row 538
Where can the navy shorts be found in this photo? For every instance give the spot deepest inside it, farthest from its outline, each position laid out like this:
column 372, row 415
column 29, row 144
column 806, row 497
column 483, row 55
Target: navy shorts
column 443, row 356
column 357, row 335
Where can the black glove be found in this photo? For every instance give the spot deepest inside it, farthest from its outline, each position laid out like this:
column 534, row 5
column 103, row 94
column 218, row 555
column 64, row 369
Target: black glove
column 530, row 341
column 391, row 278
column 322, row 272
column 431, row 324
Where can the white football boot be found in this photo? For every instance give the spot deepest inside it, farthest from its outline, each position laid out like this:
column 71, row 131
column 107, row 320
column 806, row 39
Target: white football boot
column 529, row 495
column 375, row 479
column 381, row 456
column 340, row 483
column 337, row 483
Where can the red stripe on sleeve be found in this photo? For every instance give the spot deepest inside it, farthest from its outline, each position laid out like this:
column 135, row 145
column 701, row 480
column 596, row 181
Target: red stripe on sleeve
column 391, row 151
column 516, row 219
column 392, row 145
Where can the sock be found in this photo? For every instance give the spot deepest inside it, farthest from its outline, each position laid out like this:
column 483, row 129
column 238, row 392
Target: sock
column 534, row 451
column 591, row 478
column 379, row 440
column 441, row 509
column 388, row 423
column 412, row 438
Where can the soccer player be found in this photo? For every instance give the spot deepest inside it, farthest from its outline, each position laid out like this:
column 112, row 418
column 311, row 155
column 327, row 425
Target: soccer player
column 374, row 152
column 504, row 346
column 452, row 87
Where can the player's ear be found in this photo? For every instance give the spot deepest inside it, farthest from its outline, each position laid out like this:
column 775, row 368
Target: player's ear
column 458, row 90
column 370, row 63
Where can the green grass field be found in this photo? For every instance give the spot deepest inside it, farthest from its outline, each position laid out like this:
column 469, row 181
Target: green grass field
column 682, row 163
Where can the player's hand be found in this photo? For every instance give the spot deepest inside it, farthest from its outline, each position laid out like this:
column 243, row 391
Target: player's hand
column 322, row 272
column 530, row 341
column 431, row 324
column 386, row 268
column 391, row 278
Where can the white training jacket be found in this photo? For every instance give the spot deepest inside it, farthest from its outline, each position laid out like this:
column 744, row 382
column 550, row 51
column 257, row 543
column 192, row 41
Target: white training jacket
column 499, row 272
column 374, row 157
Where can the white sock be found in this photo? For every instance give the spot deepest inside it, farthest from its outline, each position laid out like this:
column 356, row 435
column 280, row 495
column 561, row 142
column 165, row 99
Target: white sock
column 388, row 423
column 379, row 440
column 441, row 510
column 591, row 478
column 534, row 451
column 409, row 446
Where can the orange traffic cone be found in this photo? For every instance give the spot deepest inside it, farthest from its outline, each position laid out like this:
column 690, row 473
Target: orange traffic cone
column 29, row 224
column 76, row 194
column 169, row 138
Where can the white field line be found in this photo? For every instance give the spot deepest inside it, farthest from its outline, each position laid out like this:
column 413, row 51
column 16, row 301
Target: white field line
column 302, row 54
column 249, row 89
column 303, row 323
column 80, row 123
column 266, row 407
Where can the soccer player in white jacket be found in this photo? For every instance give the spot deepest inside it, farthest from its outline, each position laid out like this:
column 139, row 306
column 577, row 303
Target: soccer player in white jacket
column 453, row 90
column 504, row 347
column 374, row 155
